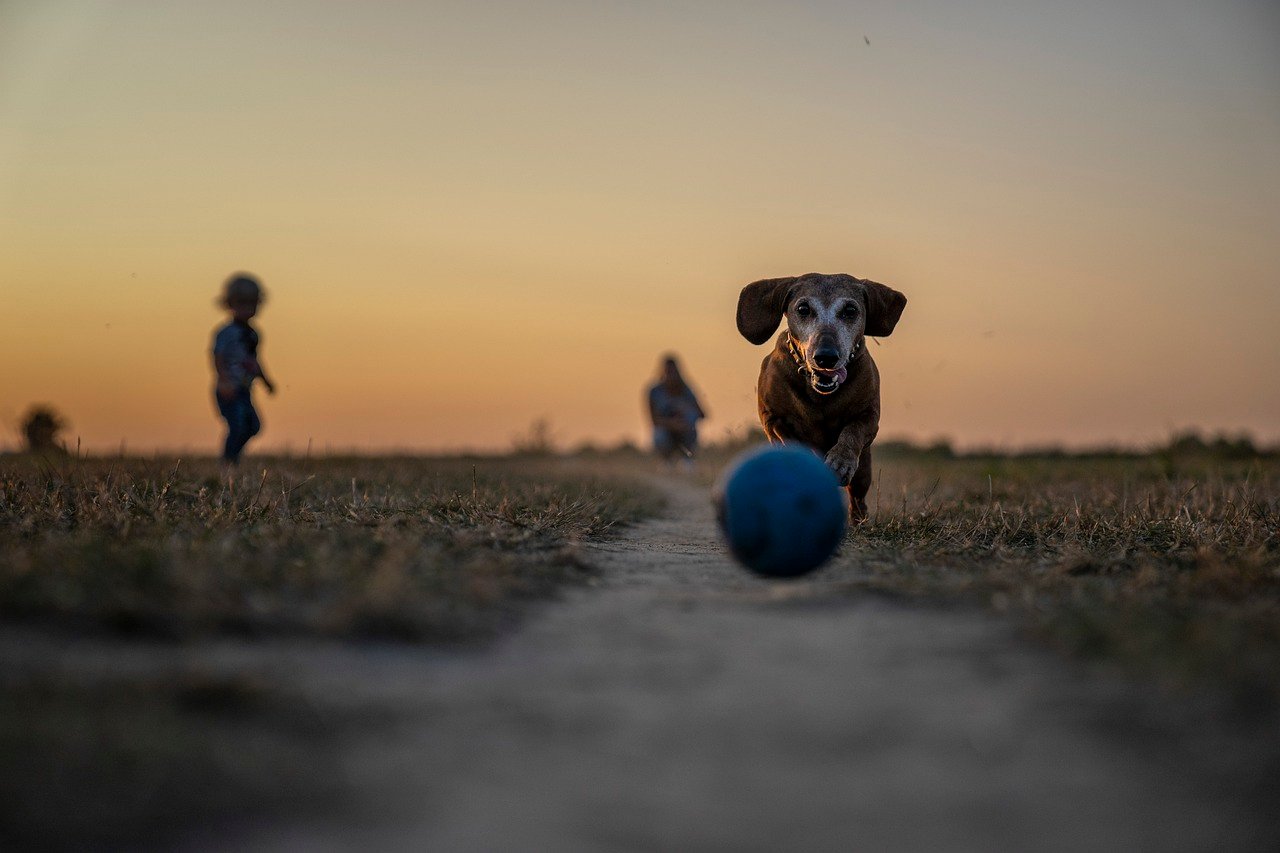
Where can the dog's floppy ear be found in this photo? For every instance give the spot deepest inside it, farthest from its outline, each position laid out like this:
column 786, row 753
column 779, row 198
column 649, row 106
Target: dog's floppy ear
column 761, row 306
column 884, row 307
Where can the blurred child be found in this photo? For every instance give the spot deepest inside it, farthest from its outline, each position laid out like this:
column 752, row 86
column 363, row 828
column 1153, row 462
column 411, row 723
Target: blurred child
column 674, row 411
column 235, row 360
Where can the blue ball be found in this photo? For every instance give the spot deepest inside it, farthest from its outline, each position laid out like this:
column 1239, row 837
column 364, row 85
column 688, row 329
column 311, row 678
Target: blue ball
column 782, row 510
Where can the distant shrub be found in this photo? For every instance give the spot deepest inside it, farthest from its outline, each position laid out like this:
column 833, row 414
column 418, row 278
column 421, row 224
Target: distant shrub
column 626, row 447
column 940, row 449
column 538, row 440
column 40, row 430
column 1221, row 446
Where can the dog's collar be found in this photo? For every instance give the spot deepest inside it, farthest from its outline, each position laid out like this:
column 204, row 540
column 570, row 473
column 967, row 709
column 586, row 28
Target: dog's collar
column 802, row 367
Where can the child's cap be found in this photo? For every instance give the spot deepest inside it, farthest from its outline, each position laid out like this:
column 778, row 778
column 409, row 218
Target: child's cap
column 242, row 287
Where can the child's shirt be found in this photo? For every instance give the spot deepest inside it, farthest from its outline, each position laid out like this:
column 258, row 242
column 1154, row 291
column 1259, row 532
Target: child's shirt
column 683, row 404
column 236, row 345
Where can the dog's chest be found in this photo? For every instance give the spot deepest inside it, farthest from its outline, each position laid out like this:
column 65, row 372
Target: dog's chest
column 825, row 425
column 816, row 422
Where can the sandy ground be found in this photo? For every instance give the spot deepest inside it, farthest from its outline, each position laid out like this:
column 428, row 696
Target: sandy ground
column 680, row 704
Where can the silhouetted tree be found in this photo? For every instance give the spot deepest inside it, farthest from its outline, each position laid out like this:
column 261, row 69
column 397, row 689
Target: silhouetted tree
column 40, row 428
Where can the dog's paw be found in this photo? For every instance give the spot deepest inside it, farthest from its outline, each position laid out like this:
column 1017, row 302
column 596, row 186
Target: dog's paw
column 843, row 464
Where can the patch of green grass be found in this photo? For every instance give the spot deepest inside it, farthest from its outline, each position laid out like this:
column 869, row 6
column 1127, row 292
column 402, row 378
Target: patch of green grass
column 406, row 548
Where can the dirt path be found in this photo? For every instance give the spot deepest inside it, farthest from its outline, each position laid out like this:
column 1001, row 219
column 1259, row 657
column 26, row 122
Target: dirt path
column 681, row 704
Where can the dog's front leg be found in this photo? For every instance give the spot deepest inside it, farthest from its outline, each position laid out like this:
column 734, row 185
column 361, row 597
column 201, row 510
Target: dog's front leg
column 858, row 488
column 851, row 460
column 847, row 452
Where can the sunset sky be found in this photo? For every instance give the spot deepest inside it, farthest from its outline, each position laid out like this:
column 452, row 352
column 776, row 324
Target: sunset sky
column 470, row 215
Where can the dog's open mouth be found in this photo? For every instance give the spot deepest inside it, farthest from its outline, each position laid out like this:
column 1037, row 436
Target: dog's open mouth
column 827, row 381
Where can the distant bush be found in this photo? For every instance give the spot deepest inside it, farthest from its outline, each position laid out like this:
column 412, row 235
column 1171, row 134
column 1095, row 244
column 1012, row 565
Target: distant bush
column 538, row 440
column 621, row 447
column 40, row 430
column 1189, row 444
column 1221, row 446
column 626, row 447
column 940, row 449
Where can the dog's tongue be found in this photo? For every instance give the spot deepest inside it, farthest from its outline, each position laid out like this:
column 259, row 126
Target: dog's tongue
column 840, row 374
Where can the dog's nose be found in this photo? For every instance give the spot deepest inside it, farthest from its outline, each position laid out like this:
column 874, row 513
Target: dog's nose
column 827, row 359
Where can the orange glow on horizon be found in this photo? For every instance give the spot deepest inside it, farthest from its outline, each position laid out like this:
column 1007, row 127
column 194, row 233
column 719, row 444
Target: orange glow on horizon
column 467, row 219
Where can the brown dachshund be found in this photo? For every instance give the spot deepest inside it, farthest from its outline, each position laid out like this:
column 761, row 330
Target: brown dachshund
column 820, row 386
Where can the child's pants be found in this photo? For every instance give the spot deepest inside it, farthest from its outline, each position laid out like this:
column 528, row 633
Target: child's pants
column 671, row 443
column 242, row 422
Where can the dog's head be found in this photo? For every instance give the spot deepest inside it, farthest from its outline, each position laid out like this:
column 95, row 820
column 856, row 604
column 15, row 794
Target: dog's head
column 827, row 318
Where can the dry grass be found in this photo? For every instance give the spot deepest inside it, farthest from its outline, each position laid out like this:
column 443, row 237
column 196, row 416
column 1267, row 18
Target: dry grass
column 1169, row 567
column 406, row 548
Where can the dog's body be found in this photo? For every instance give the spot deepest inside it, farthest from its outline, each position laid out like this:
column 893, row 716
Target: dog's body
column 819, row 386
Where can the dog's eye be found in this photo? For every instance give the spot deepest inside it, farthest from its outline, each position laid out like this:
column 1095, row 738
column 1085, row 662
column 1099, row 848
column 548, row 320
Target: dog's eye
column 848, row 312
column 803, row 310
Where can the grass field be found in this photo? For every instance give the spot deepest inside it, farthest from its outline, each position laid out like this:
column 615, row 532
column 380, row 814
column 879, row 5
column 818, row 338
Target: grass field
column 400, row 548
column 1166, row 566
column 175, row 553
column 1167, row 563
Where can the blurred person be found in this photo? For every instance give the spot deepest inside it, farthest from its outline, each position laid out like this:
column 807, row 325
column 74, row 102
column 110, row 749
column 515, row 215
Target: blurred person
column 237, row 365
column 674, row 411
